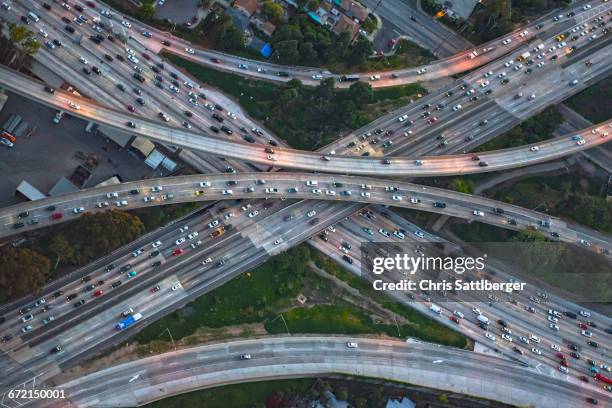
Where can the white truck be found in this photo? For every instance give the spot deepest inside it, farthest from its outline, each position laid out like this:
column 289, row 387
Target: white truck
column 435, row 309
column 483, row 319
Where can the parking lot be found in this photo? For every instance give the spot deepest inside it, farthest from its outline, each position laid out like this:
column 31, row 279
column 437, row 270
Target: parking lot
column 54, row 150
column 178, row 11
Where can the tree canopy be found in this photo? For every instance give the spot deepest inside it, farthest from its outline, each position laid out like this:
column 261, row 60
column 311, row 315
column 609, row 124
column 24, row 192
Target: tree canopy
column 24, row 272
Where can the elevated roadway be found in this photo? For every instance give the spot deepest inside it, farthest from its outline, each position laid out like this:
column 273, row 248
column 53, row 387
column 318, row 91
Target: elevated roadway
column 297, row 159
column 284, row 185
column 454, row 370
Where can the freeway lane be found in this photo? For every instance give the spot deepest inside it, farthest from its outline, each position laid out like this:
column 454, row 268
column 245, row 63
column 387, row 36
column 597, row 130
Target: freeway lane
column 290, row 158
column 456, row 64
column 282, row 185
column 422, row 364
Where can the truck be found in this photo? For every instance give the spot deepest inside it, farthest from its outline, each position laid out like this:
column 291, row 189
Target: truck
column 435, row 309
column 483, row 319
column 603, row 378
column 127, row 322
column 349, row 78
column 523, row 56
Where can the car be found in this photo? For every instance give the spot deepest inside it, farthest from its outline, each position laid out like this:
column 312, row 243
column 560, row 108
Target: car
column 155, row 288
column 192, row 235
column 351, row 345
column 137, row 252
column 79, row 303
column 586, row 333
column 26, row 329
column 74, row 106
column 589, row 399
column 489, row 336
column 97, row 293
column 563, row 369
column 507, row 338
column 131, row 274
column 27, row 317
column 176, row 286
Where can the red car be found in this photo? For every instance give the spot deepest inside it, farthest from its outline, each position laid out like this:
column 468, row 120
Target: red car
column 216, row 60
column 146, row 56
column 131, row 108
column 97, row 293
column 57, row 216
column 431, row 121
column 454, row 319
column 564, row 363
column 90, row 4
column 561, row 356
column 583, row 326
column 178, row 252
column 155, row 289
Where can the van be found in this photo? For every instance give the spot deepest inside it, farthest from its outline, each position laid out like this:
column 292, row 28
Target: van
column 33, row 16
column 312, row 183
column 435, row 309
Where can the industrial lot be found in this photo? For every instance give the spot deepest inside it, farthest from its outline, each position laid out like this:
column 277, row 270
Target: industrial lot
column 163, row 241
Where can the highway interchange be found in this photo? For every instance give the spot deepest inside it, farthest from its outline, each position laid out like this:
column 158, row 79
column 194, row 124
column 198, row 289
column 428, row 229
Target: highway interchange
column 195, row 280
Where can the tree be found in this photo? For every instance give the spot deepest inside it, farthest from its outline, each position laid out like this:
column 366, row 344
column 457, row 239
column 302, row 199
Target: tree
column 30, row 46
column 287, row 52
column 273, row 11
column 233, row 38
column 463, row 186
column 18, row 34
column 147, row 11
column 361, row 50
column 308, row 53
column 341, row 44
column 24, row 272
column 443, row 399
column 361, row 93
column 62, row 248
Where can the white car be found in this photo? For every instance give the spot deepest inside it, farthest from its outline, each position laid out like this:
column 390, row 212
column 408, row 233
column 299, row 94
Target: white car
column 402, row 118
column 506, row 337
column 586, row 333
column 563, row 369
column 536, row 351
column 78, row 210
column 421, row 71
column 122, row 203
column 278, row 241
column 213, row 224
column 156, row 189
column 476, row 311
column 365, row 194
column 176, row 286
column 506, row 330
column 374, row 77
column 524, row 339
column 102, row 204
column 112, row 195
column 555, row 347
column 502, row 74
column 419, row 234
column 146, row 199
column 183, row 229
column 7, row 143
column 137, row 252
column 156, row 244
column 227, row 192
column 207, row 260
column 196, row 244
column 26, row 329
column 253, row 214
column 507, row 41
column 478, row 213
column 488, row 74
column 507, row 64
column 74, row 106
column 192, row 235
column 311, row 214
column 532, row 97
column 524, row 33
column 490, row 336
column 316, row 191
column 580, row 142
column 584, row 313
column 534, row 148
column 484, row 84
column 126, row 24
column 204, row 183
column 383, row 232
column 351, row 345
column 317, row 77
column 458, row 314
column 48, row 320
column 330, row 192
column 180, row 241
column 553, row 319
column 43, row 33
column 189, row 51
column 397, row 198
column 83, row 61
column 534, row 338
column 553, row 327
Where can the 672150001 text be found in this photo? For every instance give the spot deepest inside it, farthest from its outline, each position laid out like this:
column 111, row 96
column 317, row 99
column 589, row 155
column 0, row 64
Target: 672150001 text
column 36, row 394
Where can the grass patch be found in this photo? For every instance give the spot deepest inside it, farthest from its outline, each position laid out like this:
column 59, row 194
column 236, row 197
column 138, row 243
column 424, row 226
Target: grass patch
column 407, row 54
column 155, row 217
column 254, row 394
column 251, row 297
column 479, row 232
column 307, row 117
column 593, row 102
column 346, row 319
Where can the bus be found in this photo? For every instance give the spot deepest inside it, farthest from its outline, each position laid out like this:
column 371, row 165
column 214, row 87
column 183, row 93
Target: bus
column 349, row 78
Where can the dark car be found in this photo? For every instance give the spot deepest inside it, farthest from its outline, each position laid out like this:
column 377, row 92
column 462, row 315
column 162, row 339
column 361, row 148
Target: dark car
column 115, row 284
column 71, row 296
column 18, row 225
column 86, row 71
column 25, row 20
column 156, row 264
column 126, row 268
column 314, row 221
column 86, row 278
column 348, row 259
column 110, row 267
column 96, row 70
column 79, row 303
